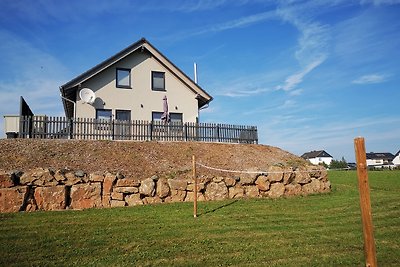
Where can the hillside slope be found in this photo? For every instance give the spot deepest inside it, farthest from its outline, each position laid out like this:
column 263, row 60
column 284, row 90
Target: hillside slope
column 139, row 159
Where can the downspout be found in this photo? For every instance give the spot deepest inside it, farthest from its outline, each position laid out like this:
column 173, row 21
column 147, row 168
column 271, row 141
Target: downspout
column 69, row 100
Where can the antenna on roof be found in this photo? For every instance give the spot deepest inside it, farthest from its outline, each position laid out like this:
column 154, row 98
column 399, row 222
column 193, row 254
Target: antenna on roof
column 195, row 72
column 87, row 96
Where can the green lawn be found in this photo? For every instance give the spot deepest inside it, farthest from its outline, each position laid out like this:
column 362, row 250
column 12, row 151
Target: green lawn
column 317, row 230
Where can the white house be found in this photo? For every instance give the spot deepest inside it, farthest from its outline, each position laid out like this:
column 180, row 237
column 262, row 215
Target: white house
column 379, row 159
column 318, row 157
column 396, row 159
column 131, row 85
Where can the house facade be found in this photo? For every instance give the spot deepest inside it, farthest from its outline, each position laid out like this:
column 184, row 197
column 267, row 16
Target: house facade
column 379, row 160
column 318, row 157
column 131, row 85
column 396, row 159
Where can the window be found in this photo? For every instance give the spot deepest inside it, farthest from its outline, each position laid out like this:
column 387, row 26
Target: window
column 123, row 115
column 176, row 117
column 122, row 127
column 103, row 114
column 157, row 81
column 103, row 117
column 123, row 78
column 156, row 116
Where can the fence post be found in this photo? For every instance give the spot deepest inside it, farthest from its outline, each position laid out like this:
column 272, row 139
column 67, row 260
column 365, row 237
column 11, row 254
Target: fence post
column 365, row 203
column 151, row 130
column 185, row 131
column 71, row 127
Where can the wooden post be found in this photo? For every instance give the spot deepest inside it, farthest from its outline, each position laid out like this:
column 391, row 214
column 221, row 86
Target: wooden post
column 195, row 187
column 365, row 203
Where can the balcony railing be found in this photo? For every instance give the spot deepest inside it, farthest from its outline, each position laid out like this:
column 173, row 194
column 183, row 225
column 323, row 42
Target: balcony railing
column 45, row 127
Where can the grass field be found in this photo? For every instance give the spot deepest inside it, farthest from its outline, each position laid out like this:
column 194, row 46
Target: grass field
column 317, row 230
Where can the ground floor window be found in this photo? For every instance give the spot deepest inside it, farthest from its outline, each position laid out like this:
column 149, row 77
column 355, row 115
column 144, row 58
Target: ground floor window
column 103, row 114
column 176, row 117
column 123, row 115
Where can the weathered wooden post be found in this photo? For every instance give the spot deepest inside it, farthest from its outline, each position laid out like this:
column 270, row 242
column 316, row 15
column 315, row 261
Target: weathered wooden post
column 365, row 203
column 195, row 186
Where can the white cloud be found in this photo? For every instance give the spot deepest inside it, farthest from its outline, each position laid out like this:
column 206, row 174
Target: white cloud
column 380, row 2
column 236, row 23
column 293, row 80
column 312, row 44
column 370, row 79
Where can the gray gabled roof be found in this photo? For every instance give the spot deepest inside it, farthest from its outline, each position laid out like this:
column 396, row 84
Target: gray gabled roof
column 381, row 155
column 68, row 89
column 316, row 154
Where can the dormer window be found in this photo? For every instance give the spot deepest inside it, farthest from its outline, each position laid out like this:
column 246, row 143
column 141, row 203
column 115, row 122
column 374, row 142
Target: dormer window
column 158, row 81
column 123, row 79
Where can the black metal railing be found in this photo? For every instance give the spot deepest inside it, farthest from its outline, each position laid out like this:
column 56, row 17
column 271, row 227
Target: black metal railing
column 45, row 127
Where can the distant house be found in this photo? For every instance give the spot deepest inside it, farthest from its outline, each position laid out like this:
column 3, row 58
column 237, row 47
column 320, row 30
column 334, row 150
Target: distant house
column 318, row 157
column 379, row 160
column 396, row 159
column 131, row 85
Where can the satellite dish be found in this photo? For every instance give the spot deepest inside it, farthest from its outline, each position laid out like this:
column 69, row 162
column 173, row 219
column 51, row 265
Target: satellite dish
column 87, row 95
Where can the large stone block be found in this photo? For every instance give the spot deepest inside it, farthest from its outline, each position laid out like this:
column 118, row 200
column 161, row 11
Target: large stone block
column 117, row 196
column 288, row 175
column 229, row 181
column 162, row 188
column 126, row 190
column 292, row 190
column 216, row 191
column 96, row 177
column 133, row 200
column 200, row 187
column 251, row 191
column 177, row 184
column 12, row 199
column 247, row 179
column 152, row 200
column 176, row 196
column 38, row 177
column 313, row 187
column 108, row 183
column 276, row 190
column 50, row 198
column 84, row 196
column 147, row 187
column 117, row 203
column 275, row 174
column 190, row 197
column 72, row 179
column 236, row 192
column 302, row 176
column 262, row 183
column 127, row 183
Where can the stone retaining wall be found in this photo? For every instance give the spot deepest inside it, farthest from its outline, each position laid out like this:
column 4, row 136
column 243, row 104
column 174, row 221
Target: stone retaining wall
column 46, row 189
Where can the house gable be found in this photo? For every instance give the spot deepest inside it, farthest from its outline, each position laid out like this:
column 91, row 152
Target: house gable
column 129, row 58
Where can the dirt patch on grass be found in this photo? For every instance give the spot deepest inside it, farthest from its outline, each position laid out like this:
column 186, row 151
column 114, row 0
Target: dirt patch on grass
column 139, row 160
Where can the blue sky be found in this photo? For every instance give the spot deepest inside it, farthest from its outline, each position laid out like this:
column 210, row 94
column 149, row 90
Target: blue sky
column 311, row 75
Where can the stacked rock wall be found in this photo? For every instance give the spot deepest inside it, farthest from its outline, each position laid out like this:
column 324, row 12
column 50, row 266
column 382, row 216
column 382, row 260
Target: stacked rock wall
column 47, row 189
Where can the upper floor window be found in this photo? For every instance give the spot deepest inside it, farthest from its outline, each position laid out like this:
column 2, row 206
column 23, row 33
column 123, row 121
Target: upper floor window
column 123, row 78
column 157, row 81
